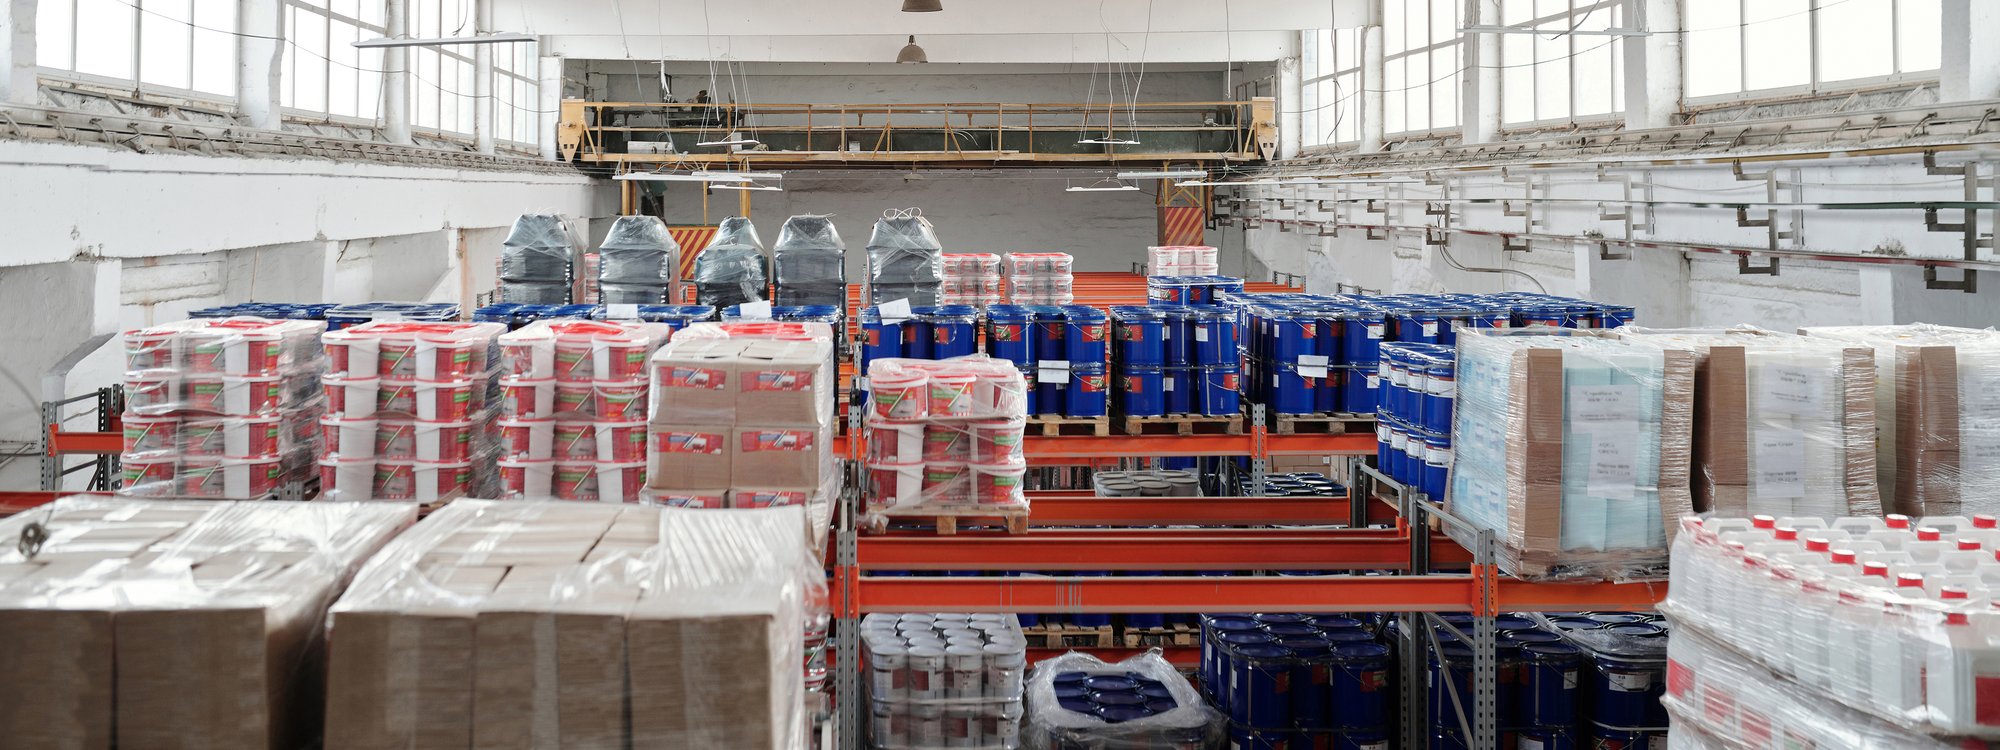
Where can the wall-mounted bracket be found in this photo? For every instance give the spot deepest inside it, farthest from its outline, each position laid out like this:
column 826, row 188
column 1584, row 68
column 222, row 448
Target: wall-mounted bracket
column 1435, row 236
column 1604, row 252
column 1515, row 244
column 1968, row 281
column 1284, row 227
column 1373, row 234
column 1743, row 267
column 1328, row 229
column 1375, row 206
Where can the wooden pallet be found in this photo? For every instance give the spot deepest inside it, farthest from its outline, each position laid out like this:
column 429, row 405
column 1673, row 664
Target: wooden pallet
column 1069, row 636
column 1051, row 425
column 947, row 522
column 1171, row 635
column 1182, row 424
column 1322, row 424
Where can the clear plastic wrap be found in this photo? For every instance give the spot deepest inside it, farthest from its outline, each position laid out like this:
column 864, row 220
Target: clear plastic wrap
column 732, row 269
column 1719, row 699
column 537, row 261
column 573, row 405
column 937, row 681
column 175, row 623
column 1040, row 278
column 1937, row 406
column 903, row 259
column 221, row 408
column 1188, row 723
column 1181, row 260
column 1892, row 617
column 970, row 279
column 487, row 624
column 1573, row 449
column 429, row 395
column 638, row 262
column 811, row 262
column 943, row 436
column 1784, row 425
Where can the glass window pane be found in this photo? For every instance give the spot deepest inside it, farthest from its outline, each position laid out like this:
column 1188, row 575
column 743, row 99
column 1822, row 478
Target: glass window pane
column 1850, row 43
column 1517, row 78
column 52, row 33
column 466, row 110
column 104, row 43
column 287, row 80
column 1919, row 32
column 425, row 87
column 163, row 42
column 1392, row 96
column 309, row 34
column 1349, row 127
column 1551, row 77
column 1593, row 85
column 1417, row 101
column 1773, row 38
column 215, row 47
column 349, row 8
column 1444, row 22
column 371, row 12
column 1515, row 12
column 341, row 77
column 1714, row 47
column 428, row 14
column 1444, row 87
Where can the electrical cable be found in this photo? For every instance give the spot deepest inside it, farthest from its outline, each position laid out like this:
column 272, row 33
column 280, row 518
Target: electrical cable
column 1445, row 252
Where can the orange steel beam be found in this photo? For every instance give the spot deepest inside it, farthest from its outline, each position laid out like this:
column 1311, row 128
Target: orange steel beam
column 1117, row 446
column 17, row 502
column 1155, row 549
column 1316, row 594
column 1533, row 596
column 61, row 442
column 1086, row 510
column 1353, row 443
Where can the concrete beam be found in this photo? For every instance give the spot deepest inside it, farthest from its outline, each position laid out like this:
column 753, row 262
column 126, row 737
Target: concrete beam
column 549, row 103
column 260, row 50
column 1030, row 47
column 17, row 52
column 1480, row 102
column 396, row 74
column 1654, row 67
column 1291, row 108
column 1970, row 59
column 482, row 79
column 1372, row 62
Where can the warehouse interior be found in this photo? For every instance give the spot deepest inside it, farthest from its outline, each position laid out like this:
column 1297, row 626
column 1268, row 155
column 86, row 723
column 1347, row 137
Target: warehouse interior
column 1727, row 180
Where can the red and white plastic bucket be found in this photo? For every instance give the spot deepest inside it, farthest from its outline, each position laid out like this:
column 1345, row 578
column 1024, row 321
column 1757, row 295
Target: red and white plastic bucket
column 232, row 436
column 152, row 392
column 231, row 478
column 450, row 359
column 145, row 435
column 348, row 354
column 396, row 439
column 621, row 358
column 531, row 360
column 575, row 441
column 895, row 442
column 996, row 441
column 997, row 484
column 574, row 362
column 1000, row 393
column 620, row 482
column 394, row 480
column 947, row 442
column 945, row 483
column 151, row 349
column 450, row 401
column 616, row 401
column 152, row 475
column 234, row 352
column 902, row 396
column 441, row 481
column 444, row 442
column 348, row 438
column 895, row 485
column 575, row 400
column 522, row 398
column 951, row 394
column 528, row 479
column 528, row 438
column 342, row 478
column 621, row 442
column 235, row 394
column 576, row 480
column 351, row 397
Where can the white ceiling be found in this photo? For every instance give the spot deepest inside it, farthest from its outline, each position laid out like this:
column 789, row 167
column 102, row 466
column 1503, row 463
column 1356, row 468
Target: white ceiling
column 966, row 31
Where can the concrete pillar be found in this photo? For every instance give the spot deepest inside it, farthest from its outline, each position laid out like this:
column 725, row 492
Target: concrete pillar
column 1654, row 68
column 549, row 86
column 1372, row 54
column 1291, row 107
column 396, row 74
column 1971, row 61
column 1480, row 100
column 17, row 52
column 482, row 78
column 260, row 51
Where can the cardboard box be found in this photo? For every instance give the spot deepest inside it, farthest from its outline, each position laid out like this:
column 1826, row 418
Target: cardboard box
column 784, row 383
column 691, row 456
column 778, row 456
column 694, row 382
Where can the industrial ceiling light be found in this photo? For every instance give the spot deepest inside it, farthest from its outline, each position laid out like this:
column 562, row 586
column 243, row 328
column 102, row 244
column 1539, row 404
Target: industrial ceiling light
column 1102, row 186
column 752, row 186
column 733, row 139
column 922, row 6
column 911, row 52
column 1170, row 174
column 1107, row 141
column 495, row 38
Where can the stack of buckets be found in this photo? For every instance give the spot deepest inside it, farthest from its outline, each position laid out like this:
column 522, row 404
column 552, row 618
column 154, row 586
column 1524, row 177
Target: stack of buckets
column 1061, row 350
column 1592, row 681
column 1419, row 386
column 1176, row 360
column 1295, row 680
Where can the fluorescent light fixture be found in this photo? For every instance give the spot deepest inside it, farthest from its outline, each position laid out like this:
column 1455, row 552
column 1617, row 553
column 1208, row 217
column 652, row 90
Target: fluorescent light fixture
column 745, row 187
column 731, row 141
column 498, row 38
column 1107, row 141
column 668, row 177
column 1171, row 174
column 1094, row 189
column 739, row 176
column 1553, row 32
column 1229, row 183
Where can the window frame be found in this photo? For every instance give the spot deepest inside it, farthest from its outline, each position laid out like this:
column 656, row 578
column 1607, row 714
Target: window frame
column 1814, row 85
column 135, row 82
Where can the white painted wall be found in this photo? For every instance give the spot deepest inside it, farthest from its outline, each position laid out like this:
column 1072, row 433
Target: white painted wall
column 889, row 83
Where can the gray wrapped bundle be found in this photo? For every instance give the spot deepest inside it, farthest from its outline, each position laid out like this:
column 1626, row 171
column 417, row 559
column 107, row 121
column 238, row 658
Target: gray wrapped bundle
column 811, row 262
column 536, row 261
column 732, row 270
column 637, row 262
column 903, row 258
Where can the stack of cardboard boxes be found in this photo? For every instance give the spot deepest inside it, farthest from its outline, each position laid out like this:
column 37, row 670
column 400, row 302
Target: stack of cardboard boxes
column 536, row 625
column 175, row 624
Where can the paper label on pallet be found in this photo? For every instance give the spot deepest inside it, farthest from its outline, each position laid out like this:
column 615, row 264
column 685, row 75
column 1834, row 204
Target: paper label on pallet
column 623, row 311
column 893, row 312
column 386, row 316
column 761, row 310
column 1375, row 331
column 1201, row 333
column 1312, row 365
column 1053, row 371
column 1781, row 462
column 1614, row 460
column 1603, row 407
column 1629, row 682
column 1569, row 679
column 1791, row 389
column 1167, row 384
column 1430, row 329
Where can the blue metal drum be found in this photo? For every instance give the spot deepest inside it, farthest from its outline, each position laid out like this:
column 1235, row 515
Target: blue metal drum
column 1361, row 336
column 1626, row 693
column 1052, row 394
column 1178, row 389
column 917, row 333
column 1139, row 333
column 1140, row 391
column 1437, row 464
column 1550, row 690
column 1214, row 332
column 1086, row 335
column 1327, row 398
column 879, row 340
column 953, row 331
column 1310, row 681
column 1361, row 741
column 1177, row 333
column 1547, row 738
column 1250, row 738
column 1221, row 391
column 1050, row 332
column 1291, row 392
column 1088, row 390
column 1216, row 629
column 1417, row 327
column 1007, row 333
column 1359, row 390
column 1260, row 680
column 1450, row 674
column 1440, row 394
column 1331, row 324
column 1294, row 334
column 1359, row 676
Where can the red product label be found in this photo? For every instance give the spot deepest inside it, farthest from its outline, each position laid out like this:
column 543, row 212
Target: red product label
column 778, row 440
column 1006, row 332
column 941, row 334
column 779, row 380
column 1093, row 332
column 690, row 442
column 1986, row 700
column 1680, row 679
column 1134, row 333
column 1229, row 381
column 1090, row 383
column 693, row 377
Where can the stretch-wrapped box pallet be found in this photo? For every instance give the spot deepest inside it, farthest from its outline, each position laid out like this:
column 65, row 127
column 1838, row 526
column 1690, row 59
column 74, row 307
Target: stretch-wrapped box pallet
column 175, row 624
column 589, row 625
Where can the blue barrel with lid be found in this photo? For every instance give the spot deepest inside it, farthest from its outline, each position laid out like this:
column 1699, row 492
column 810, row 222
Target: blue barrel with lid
column 1550, row 685
column 1604, row 737
column 1618, row 315
column 917, row 333
column 1118, row 714
column 1051, row 332
column 1052, row 392
column 1199, row 292
column 1291, row 391
column 1213, row 330
column 1253, row 738
column 880, row 340
column 1531, row 637
column 1178, row 389
column 1213, row 630
column 1221, row 387
column 1327, row 397
column 1088, row 391
column 1450, row 674
column 1437, row 465
column 1261, row 677
column 1294, row 334
column 1140, row 391
column 1548, row 738
column 1166, row 291
column 1440, row 394
column 1359, row 675
column 1337, row 622
column 953, row 331
column 1490, row 319
column 1359, row 389
column 1418, row 327
column 1330, row 324
column 1177, row 333
column 1008, row 333
column 1086, row 335
column 1542, row 316
column 1140, row 334
column 1311, row 691
column 1362, row 331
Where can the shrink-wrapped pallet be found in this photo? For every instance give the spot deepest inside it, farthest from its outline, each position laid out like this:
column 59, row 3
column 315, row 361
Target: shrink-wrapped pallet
column 732, row 269
column 638, row 262
column 811, row 262
column 904, row 259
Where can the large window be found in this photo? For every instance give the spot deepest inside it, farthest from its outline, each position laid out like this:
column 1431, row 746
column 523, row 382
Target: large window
column 1332, row 92
column 1734, row 46
column 323, row 72
column 516, row 93
column 177, row 45
column 1557, row 74
column 1421, row 68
